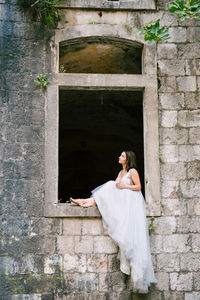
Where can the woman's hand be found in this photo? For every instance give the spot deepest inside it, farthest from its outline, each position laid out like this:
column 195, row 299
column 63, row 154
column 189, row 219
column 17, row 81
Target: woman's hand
column 120, row 185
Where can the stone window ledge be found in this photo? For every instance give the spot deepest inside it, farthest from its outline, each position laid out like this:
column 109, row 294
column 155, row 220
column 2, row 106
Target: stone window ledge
column 106, row 4
column 68, row 210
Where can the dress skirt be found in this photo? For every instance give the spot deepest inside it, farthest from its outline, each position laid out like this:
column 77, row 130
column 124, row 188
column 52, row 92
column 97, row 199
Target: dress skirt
column 124, row 217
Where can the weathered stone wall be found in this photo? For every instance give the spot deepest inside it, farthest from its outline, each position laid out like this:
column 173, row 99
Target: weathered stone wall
column 73, row 258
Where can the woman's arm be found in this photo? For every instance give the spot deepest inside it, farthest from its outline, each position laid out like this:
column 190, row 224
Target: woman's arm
column 136, row 186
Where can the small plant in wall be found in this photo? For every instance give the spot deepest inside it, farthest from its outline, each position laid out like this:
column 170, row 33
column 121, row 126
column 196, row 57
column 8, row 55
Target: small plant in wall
column 42, row 80
column 62, row 69
column 151, row 225
column 44, row 10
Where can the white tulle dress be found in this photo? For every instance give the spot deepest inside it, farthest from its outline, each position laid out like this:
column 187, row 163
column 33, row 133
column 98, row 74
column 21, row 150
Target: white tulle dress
column 124, row 217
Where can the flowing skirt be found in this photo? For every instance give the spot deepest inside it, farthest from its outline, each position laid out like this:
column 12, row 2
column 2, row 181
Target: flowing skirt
column 124, row 217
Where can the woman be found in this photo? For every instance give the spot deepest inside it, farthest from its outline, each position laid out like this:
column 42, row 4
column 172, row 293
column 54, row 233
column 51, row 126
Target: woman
column 122, row 207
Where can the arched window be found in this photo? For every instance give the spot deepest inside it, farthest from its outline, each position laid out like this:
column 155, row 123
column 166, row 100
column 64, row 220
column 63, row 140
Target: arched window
column 96, row 108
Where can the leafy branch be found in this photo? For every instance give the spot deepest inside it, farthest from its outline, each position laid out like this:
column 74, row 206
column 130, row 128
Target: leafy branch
column 44, row 10
column 188, row 10
column 153, row 33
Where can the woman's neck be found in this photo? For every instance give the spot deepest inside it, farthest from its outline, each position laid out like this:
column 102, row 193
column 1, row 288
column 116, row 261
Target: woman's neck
column 124, row 167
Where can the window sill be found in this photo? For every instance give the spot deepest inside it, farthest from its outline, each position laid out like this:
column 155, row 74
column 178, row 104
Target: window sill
column 71, row 210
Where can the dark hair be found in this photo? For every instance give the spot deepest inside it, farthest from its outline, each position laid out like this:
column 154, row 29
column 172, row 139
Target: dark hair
column 130, row 160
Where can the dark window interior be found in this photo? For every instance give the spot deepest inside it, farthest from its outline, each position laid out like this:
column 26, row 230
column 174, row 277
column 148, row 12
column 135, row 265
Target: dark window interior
column 95, row 126
column 100, row 55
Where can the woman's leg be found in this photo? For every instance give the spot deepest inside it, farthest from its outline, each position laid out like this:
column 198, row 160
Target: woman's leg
column 84, row 202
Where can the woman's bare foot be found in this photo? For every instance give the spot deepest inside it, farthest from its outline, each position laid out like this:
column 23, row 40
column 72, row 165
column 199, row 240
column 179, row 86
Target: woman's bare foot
column 76, row 201
column 84, row 202
column 89, row 202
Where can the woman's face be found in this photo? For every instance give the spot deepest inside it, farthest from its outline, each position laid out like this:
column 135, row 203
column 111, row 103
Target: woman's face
column 122, row 158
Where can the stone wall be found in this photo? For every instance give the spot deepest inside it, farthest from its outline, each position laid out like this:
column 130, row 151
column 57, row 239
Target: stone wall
column 74, row 258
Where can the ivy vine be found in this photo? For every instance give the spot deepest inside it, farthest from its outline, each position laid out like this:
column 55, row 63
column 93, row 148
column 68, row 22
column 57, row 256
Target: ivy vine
column 44, row 10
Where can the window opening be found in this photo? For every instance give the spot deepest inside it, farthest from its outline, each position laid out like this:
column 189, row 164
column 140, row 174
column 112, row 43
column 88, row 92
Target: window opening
column 100, row 55
column 95, row 126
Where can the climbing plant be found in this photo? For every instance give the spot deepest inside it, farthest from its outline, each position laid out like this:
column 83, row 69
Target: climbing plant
column 185, row 10
column 44, row 10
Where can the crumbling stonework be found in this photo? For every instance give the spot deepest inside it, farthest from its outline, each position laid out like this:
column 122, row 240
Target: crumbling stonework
column 44, row 258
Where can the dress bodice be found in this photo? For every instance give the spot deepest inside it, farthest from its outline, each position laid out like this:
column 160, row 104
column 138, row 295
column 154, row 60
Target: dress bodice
column 126, row 179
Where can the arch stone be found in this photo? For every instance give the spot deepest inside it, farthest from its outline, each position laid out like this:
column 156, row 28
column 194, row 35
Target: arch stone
column 119, row 33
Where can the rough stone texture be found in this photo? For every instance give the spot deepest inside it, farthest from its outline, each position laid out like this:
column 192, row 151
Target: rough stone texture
column 74, row 258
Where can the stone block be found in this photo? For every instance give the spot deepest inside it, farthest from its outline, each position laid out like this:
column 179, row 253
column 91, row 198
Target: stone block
column 188, row 51
column 27, row 134
column 190, row 262
column 188, row 224
column 165, row 225
column 163, row 281
column 194, row 135
column 72, row 226
column 152, row 295
column 65, row 244
column 171, row 100
column 175, row 136
column 188, row 152
column 193, row 169
column 7, row 265
column 13, row 152
column 181, row 281
column 193, row 206
column 193, row 67
column 193, row 34
column 26, row 297
column 104, row 244
column 190, row 188
column 192, row 296
column 192, row 100
column 92, row 226
column 173, row 171
column 83, row 244
column 85, row 282
column 113, row 263
column 52, row 263
column 156, row 243
column 97, row 263
column 177, row 35
column 168, row 118
column 74, row 263
column 198, row 83
column 176, row 207
column 171, row 67
column 117, row 281
column 29, row 264
column 186, row 84
column 188, row 118
column 176, row 243
column 168, row 262
column 167, row 84
column 167, row 51
column 196, row 242
column 172, row 295
column 197, row 281
column 45, row 226
column 103, row 282
column 33, row 152
column 169, row 153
